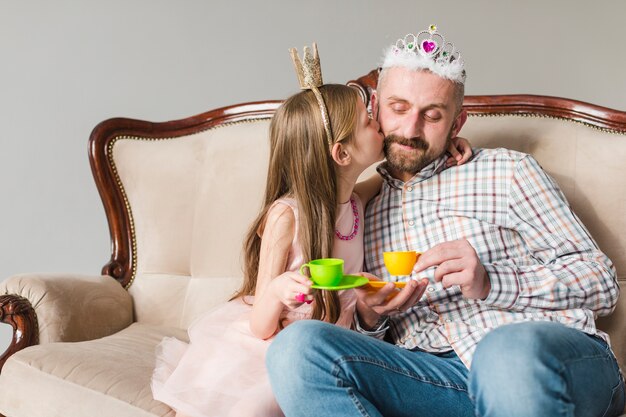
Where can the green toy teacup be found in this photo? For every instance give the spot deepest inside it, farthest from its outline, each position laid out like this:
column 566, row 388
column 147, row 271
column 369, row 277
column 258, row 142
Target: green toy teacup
column 326, row 272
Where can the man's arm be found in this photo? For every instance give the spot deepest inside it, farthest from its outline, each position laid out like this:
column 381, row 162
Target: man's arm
column 564, row 268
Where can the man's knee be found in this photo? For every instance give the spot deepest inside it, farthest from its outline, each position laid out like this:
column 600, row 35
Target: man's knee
column 519, row 358
column 517, row 344
column 520, row 368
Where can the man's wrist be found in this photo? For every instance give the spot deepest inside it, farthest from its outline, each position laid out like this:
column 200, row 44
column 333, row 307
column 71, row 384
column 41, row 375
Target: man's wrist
column 382, row 320
column 378, row 328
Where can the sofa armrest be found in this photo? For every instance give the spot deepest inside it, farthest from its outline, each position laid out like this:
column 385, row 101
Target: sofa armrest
column 17, row 312
column 70, row 308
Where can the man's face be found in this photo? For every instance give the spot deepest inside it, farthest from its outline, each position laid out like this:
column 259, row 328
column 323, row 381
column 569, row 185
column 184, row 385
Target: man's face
column 418, row 116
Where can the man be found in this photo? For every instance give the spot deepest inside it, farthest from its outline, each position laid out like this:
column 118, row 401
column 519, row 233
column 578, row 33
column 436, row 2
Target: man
column 502, row 321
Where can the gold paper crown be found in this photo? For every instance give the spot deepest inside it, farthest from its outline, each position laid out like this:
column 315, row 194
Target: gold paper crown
column 309, row 74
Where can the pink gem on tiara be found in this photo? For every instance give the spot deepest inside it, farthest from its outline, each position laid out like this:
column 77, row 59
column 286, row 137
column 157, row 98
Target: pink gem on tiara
column 428, row 46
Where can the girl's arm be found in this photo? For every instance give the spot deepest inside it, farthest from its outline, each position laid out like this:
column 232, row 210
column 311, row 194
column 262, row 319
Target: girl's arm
column 460, row 151
column 275, row 287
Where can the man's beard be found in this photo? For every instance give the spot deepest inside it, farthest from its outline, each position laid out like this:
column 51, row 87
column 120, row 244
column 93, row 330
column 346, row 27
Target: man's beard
column 415, row 162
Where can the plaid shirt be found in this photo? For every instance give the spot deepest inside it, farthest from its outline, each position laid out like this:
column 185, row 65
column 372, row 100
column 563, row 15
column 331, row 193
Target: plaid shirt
column 540, row 259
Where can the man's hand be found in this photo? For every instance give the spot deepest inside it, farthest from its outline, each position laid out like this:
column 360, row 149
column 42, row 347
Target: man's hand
column 457, row 264
column 373, row 303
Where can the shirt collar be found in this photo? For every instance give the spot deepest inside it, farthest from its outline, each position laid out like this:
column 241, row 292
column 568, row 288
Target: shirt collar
column 427, row 172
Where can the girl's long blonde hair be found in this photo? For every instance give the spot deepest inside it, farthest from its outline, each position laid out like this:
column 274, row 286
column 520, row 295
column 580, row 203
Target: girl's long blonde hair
column 301, row 167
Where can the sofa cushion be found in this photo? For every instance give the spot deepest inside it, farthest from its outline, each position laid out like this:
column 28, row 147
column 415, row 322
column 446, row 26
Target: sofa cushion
column 110, row 376
column 177, row 300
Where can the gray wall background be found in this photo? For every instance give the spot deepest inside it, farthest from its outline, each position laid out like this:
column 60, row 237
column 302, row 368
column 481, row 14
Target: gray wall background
column 67, row 65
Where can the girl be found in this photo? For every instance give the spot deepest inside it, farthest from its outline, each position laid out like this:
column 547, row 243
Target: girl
column 310, row 211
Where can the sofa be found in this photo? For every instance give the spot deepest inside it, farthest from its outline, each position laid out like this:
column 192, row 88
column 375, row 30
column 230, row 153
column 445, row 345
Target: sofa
column 179, row 196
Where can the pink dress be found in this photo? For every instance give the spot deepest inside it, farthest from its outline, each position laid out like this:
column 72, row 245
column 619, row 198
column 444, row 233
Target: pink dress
column 221, row 371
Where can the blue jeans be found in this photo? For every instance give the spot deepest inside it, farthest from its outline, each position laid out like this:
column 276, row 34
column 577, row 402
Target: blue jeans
column 525, row 369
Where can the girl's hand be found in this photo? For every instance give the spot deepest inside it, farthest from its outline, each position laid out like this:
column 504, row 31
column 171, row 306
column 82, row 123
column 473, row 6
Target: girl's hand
column 460, row 150
column 288, row 286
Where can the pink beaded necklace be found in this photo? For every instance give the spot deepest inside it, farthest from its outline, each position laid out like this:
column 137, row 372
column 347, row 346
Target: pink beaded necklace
column 355, row 226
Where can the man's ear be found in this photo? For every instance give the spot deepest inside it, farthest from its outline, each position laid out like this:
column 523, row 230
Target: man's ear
column 340, row 154
column 374, row 105
column 458, row 123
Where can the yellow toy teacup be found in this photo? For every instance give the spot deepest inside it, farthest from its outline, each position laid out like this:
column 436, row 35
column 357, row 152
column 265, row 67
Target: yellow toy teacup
column 400, row 262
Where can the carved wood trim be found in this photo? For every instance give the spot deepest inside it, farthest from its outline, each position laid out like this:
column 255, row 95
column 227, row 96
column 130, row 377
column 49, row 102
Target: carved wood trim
column 598, row 117
column 122, row 262
column 19, row 314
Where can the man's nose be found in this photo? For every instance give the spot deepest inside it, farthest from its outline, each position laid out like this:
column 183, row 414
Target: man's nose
column 412, row 125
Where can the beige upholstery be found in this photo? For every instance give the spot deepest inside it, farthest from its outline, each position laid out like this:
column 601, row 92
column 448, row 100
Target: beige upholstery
column 192, row 199
column 105, row 377
column 72, row 308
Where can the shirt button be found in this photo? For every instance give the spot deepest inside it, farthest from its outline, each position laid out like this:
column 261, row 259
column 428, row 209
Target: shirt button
column 409, row 188
column 411, row 223
column 455, row 339
column 431, row 289
column 448, row 321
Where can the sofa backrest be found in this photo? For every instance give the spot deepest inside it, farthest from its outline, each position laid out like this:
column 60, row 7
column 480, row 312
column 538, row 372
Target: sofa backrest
column 180, row 195
column 179, row 198
column 192, row 200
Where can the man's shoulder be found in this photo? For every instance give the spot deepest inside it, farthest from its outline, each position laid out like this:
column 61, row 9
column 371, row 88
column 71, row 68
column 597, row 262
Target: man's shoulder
column 504, row 160
column 499, row 154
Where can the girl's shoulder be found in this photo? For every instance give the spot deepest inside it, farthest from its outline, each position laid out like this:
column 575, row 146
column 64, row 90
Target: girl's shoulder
column 285, row 209
column 281, row 218
column 285, row 201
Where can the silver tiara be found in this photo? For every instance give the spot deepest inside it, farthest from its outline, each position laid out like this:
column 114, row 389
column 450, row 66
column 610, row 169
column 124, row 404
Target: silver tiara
column 427, row 50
